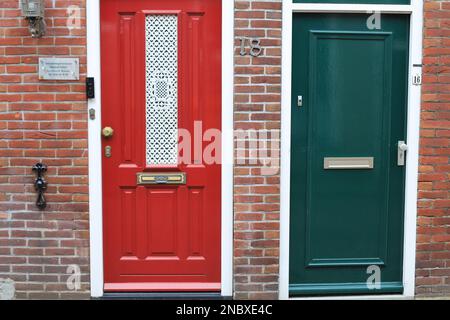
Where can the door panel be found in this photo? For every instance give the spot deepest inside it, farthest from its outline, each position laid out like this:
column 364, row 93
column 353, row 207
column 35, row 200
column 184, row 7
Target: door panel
column 161, row 72
column 354, row 87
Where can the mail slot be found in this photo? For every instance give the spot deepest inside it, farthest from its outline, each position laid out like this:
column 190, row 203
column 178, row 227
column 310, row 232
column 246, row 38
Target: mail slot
column 348, row 163
column 161, row 178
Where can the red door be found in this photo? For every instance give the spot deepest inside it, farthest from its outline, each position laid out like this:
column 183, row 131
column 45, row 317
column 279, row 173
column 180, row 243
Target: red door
column 161, row 72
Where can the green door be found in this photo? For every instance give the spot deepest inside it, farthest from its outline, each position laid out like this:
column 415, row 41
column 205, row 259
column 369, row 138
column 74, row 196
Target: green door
column 347, row 184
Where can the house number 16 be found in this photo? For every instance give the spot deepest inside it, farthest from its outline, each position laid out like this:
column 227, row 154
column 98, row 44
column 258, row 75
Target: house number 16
column 255, row 46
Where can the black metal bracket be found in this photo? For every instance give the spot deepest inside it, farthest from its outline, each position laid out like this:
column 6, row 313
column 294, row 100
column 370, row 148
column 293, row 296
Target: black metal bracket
column 40, row 185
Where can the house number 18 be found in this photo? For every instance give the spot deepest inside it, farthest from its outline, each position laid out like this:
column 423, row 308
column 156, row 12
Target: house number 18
column 255, row 46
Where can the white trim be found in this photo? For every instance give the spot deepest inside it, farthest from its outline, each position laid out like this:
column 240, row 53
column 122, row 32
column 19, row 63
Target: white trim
column 351, row 8
column 227, row 145
column 414, row 100
column 285, row 162
column 95, row 154
column 95, row 150
column 412, row 164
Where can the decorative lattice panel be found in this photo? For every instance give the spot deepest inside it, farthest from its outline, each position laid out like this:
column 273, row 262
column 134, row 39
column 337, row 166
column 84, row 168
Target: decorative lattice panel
column 162, row 89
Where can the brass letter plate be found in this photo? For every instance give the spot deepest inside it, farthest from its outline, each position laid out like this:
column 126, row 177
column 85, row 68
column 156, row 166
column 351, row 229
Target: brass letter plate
column 348, row 163
column 161, row 178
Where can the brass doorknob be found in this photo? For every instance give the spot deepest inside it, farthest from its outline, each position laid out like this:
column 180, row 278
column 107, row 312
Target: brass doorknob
column 108, row 132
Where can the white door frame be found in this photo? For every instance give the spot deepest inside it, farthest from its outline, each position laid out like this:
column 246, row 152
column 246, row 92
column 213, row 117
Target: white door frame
column 95, row 149
column 415, row 10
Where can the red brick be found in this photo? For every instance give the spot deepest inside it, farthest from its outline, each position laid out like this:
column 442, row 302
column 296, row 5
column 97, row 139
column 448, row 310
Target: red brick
column 33, row 126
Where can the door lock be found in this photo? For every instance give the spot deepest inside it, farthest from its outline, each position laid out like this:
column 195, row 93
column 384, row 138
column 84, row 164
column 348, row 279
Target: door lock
column 108, row 132
column 300, row 101
column 108, row 152
column 402, row 148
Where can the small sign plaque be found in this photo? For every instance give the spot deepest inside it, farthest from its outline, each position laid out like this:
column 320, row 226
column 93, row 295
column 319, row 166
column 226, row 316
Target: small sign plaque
column 417, row 79
column 59, row 69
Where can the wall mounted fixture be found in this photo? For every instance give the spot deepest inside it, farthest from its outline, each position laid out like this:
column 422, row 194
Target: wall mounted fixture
column 33, row 12
column 40, row 185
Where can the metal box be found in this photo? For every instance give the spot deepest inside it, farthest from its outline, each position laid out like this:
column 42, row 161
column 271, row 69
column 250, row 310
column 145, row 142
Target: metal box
column 33, row 8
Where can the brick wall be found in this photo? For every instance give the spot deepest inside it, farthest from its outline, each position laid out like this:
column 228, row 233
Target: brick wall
column 42, row 121
column 433, row 237
column 257, row 106
column 46, row 121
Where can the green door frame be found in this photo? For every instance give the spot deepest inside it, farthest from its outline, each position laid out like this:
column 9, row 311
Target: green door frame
column 415, row 11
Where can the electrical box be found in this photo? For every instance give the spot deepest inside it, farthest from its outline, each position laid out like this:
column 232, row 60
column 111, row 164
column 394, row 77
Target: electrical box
column 33, row 8
column 90, row 88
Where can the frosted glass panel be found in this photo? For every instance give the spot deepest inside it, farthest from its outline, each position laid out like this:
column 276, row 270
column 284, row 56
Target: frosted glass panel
column 162, row 89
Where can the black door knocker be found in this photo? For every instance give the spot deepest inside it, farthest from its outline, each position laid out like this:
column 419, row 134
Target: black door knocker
column 40, row 185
